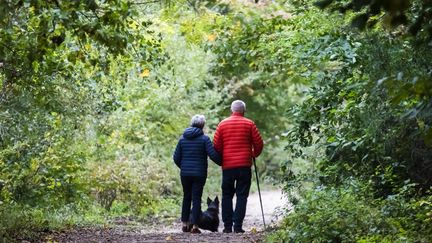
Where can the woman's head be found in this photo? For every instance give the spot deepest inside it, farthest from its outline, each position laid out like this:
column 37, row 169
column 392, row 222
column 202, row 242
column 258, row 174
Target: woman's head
column 198, row 121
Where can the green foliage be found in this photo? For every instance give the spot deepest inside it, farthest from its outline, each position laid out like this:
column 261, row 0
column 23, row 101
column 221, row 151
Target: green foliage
column 415, row 14
column 55, row 63
column 25, row 222
column 91, row 118
column 367, row 129
column 133, row 162
column 94, row 97
column 363, row 132
column 349, row 213
column 266, row 58
column 33, row 31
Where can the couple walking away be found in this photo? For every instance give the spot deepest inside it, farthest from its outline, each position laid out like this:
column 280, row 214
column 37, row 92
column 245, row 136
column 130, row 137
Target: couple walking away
column 236, row 141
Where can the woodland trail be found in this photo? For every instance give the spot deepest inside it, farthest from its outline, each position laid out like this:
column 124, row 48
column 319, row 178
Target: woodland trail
column 272, row 201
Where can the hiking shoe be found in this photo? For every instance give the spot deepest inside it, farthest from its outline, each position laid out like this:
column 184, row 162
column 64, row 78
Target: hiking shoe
column 239, row 230
column 195, row 231
column 227, row 230
column 186, row 229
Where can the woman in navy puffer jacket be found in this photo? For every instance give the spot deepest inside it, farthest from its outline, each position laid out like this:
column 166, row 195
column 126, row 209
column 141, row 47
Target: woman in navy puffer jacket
column 191, row 157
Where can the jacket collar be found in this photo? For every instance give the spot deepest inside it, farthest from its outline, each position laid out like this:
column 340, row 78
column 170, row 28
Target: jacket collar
column 237, row 114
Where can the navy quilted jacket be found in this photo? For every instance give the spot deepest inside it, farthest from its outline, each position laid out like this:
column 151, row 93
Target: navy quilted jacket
column 191, row 153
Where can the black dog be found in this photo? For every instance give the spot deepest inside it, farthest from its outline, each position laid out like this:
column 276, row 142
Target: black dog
column 209, row 219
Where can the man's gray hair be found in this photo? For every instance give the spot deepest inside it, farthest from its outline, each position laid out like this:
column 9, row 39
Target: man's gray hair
column 238, row 106
column 198, row 121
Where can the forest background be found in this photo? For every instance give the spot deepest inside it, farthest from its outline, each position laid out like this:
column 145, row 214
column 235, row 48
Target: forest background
column 95, row 94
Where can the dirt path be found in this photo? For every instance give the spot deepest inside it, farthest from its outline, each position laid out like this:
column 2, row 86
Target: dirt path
column 272, row 201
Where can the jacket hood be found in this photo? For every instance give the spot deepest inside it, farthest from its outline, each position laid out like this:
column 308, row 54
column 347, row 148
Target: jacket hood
column 192, row 132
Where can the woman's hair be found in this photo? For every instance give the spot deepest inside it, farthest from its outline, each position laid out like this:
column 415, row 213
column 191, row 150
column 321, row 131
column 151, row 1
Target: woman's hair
column 198, row 121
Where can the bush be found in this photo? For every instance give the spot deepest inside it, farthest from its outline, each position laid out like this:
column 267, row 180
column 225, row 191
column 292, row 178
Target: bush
column 350, row 213
column 21, row 222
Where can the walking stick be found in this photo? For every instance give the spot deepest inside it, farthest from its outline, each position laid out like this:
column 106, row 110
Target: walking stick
column 259, row 192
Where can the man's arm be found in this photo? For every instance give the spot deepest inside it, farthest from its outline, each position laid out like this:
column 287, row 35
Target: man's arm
column 257, row 142
column 217, row 140
column 215, row 156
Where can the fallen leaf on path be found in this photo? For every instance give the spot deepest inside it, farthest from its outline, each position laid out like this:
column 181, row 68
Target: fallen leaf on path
column 254, row 230
column 169, row 237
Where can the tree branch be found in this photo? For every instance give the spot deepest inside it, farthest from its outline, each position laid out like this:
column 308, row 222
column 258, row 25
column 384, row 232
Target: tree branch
column 3, row 91
column 142, row 3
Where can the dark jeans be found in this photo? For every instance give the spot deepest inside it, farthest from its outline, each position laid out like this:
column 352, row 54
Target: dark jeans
column 236, row 181
column 192, row 191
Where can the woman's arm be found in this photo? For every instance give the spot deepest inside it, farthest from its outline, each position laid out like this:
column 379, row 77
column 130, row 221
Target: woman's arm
column 177, row 154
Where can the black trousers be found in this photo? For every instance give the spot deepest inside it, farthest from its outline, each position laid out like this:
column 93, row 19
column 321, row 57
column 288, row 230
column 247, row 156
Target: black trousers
column 235, row 181
column 192, row 192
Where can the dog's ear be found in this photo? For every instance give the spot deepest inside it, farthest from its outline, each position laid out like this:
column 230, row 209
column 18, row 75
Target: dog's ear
column 216, row 200
column 208, row 200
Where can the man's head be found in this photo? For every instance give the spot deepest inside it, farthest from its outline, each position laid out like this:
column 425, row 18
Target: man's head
column 238, row 106
column 198, row 121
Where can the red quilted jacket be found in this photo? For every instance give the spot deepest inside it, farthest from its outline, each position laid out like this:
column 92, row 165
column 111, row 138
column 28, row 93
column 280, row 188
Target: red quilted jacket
column 237, row 139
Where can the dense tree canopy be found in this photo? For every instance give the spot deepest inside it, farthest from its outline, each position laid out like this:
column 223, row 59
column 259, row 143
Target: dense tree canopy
column 415, row 15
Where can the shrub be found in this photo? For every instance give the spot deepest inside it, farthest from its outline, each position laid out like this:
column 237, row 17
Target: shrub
column 350, row 213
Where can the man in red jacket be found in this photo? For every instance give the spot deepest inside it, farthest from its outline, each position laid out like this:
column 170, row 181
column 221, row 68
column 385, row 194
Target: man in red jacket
column 238, row 140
